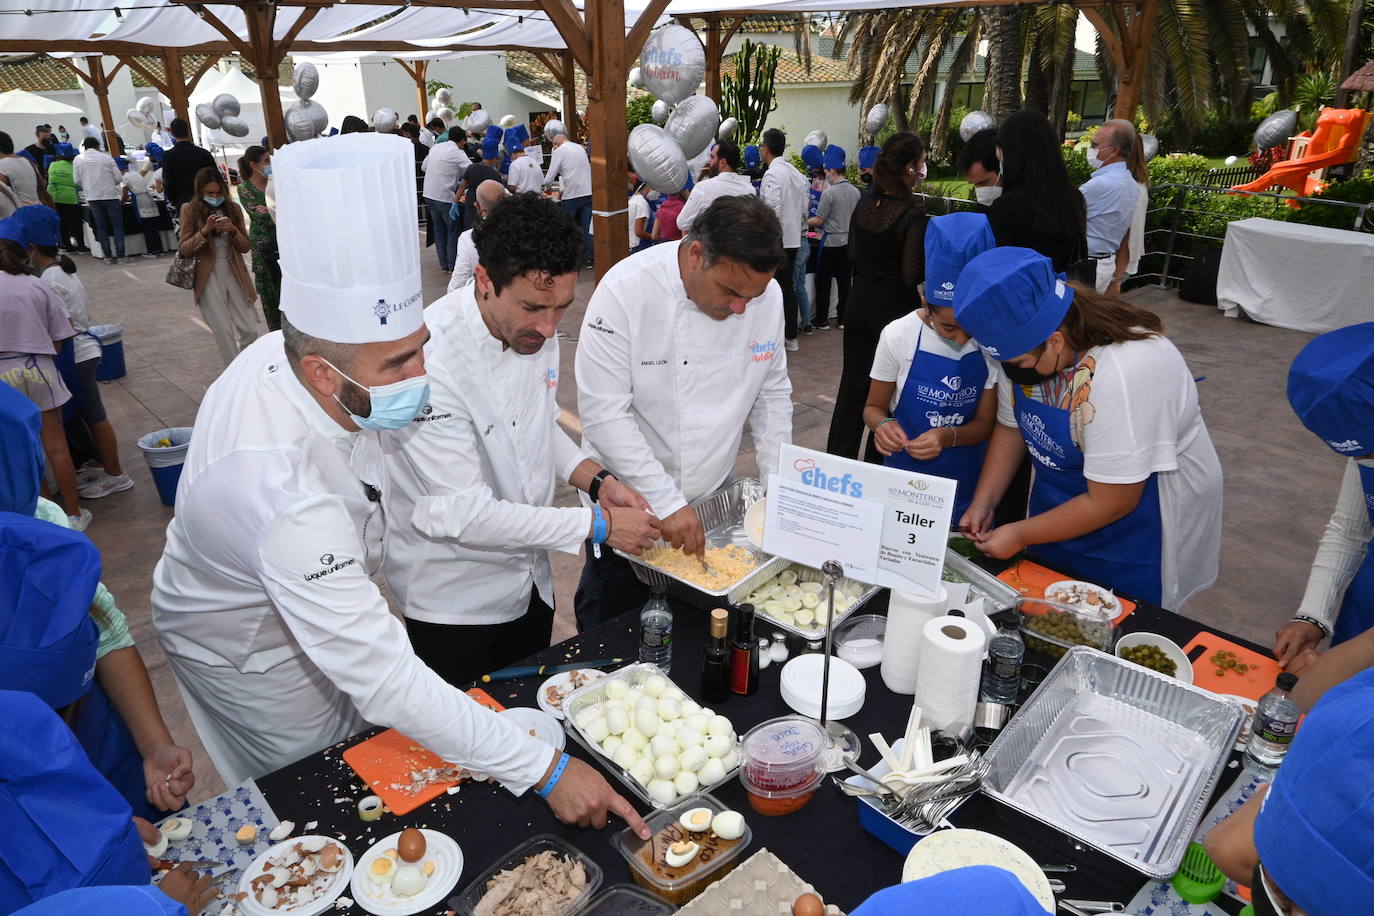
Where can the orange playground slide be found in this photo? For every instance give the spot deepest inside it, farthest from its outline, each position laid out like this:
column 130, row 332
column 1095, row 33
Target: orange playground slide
column 1336, row 141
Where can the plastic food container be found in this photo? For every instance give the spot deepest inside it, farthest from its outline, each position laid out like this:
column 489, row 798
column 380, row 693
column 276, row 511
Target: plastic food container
column 678, row 885
column 1052, row 628
column 473, row 893
column 859, row 640
column 782, row 753
column 625, row 900
column 773, row 802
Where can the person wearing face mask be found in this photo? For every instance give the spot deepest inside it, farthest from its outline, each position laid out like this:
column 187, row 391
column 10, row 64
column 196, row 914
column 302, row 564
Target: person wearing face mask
column 255, row 168
column 1110, row 195
column 1127, row 488
column 932, row 401
column 868, row 158
column 1329, row 388
column 278, row 637
column 977, row 162
column 214, row 234
column 833, row 214
column 1039, row 208
column 681, row 347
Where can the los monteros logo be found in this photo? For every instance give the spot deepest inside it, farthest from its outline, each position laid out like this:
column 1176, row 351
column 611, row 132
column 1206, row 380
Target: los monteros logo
column 812, row 475
column 762, row 352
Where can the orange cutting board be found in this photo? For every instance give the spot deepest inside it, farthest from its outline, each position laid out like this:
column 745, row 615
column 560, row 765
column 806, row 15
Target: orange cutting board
column 1252, row 685
column 1031, row 580
column 390, row 758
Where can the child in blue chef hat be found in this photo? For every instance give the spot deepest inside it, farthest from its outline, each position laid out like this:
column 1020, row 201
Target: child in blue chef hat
column 978, row 890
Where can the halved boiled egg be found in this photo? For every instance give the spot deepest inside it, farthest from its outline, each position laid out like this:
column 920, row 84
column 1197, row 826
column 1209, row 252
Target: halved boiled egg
column 409, row 881
column 176, row 829
column 382, row 871
column 679, row 854
column 696, row 819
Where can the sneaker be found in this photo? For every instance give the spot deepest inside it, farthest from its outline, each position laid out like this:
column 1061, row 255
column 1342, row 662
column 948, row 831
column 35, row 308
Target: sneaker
column 88, row 475
column 840, row 325
column 104, row 486
column 123, row 260
column 80, row 522
column 808, row 330
column 111, row 261
column 149, row 254
column 823, row 326
column 792, row 346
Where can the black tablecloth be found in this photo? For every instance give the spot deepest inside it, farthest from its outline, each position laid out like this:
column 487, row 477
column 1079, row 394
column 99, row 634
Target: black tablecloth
column 823, row 842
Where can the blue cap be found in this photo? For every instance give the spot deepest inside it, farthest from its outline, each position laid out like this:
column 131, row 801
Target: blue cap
column 491, row 147
column 1315, row 831
column 1010, row 301
column 812, row 157
column 978, row 890
column 1331, row 388
column 47, row 636
column 752, row 159
column 868, row 156
column 21, row 452
column 65, row 151
column 833, row 158
column 521, row 131
column 951, row 242
column 31, row 225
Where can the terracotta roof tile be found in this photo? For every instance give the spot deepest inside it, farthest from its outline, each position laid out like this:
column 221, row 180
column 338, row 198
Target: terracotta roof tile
column 35, row 73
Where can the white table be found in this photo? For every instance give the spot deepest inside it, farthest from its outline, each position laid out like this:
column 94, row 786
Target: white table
column 1307, row 278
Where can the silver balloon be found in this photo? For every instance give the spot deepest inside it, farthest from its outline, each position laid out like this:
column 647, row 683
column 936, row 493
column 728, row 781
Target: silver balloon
column 636, row 78
column 385, row 120
column 430, row 115
column 672, row 63
column 139, row 119
column 444, row 114
column 305, row 79
column 478, row 121
column 508, row 121
column 207, row 115
column 553, row 128
column 658, row 159
column 318, row 116
column 148, row 105
column 660, row 111
column 1149, row 146
column 1276, row 129
column 693, row 123
column 727, row 128
column 299, row 124
column 233, row 126
column 973, row 122
column 876, row 119
column 443, row 96
column 167, row 115
column 818, row 139
column 225, row 104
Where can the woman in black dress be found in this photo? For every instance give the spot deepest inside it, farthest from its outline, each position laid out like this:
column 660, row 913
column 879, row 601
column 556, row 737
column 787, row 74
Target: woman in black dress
column 1039, row 207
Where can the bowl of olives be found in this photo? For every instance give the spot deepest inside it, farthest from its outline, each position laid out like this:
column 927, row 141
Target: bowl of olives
column 1156, row 653
column 1052, row 628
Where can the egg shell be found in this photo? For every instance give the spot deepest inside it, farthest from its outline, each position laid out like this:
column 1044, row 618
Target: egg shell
column 617, row 720
column 666, row 767
column 688, row 737
column 719, row 725
column 686, row 783
column 279, row 832
column 410, row 846
column 646, row 721
column 655, row 686
column 643, row 771
column 667, row 709
column 635, row 739
column 408, row 881
column 662, row 791
column 716, row 745
column 617, row 689
column 610, row 744
column 662, row 744
column 711, row 772
column 598, row 729
column 728, row 825
column 673, row 692
column 695, row 819
column 692, row 759
column 625, row 756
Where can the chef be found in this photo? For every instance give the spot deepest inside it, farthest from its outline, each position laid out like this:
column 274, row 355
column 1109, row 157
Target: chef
column 1330, row 388
column 1127, row 488
column 472, row 479
column 681, row 347
column 278, row 638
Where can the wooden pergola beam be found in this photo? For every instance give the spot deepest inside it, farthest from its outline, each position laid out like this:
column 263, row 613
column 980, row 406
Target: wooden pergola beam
column 719, row 30
column 99, row 81
column 419, row 72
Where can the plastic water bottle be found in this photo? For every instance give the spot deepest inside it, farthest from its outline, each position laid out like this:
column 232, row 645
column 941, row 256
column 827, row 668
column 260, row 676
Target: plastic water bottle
column 1001, row 672
column 1276, row 719
column 656, row 631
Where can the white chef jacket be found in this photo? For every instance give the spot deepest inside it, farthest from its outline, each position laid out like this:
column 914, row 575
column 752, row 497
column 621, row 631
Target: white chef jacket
column 664, row 391
column 263, row 599
column 97, row 175
column 525, row 175
column 464, row 261
column 785, row 191
column 569, row 162
column 706, row 192
column 443, row 166
column 472, row 478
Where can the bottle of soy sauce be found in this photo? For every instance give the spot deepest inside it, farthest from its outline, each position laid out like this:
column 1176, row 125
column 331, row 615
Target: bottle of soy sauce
column 744, row 654
column 715, row 667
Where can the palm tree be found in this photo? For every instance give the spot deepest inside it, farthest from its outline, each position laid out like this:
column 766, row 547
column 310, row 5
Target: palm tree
column 1002, row 91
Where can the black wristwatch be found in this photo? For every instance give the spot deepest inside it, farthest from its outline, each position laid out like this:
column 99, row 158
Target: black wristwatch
column 594, row 488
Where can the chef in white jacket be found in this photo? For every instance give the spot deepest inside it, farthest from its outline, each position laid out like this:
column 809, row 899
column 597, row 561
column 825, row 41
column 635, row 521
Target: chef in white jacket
column 263, row 600
column 682, row 345
column 472, row 479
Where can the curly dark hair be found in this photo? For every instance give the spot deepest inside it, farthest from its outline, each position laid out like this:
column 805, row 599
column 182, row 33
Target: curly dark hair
column 527, row 233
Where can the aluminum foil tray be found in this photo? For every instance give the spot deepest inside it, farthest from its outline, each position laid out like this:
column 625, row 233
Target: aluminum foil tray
column 1119, row 757
column 762, row 575
column 722, row 518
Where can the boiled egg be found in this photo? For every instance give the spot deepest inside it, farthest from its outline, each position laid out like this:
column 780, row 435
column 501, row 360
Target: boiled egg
column 679, row 854
column 655, row 686
column 728, row 825
column 686, row 782
column 695, row 819
column 711, row 772
column 408, row 881
column 246, row 834
column 411, row 845
column 382, row 870
column 176, row 829
column 692, row 759
column 662, row 791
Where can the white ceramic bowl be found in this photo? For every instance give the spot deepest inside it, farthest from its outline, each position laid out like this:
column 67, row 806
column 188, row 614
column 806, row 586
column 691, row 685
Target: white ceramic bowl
column 1184, row 668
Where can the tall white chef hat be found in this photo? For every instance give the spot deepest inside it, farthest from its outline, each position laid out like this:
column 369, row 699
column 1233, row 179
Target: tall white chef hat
column 349, row 237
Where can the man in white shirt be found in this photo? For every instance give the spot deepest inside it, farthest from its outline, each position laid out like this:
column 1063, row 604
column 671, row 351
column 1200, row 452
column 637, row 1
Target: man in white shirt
column 489, row 194
column 1110, row 195
column 279, row 639
column 19, row 173
column 569, row 164
column 471, row 503
column 443, row 169
column 102, row 184
column 679, row 350
column 525, row 173
column 91, row 131
column 725, row 181
column 785, row 190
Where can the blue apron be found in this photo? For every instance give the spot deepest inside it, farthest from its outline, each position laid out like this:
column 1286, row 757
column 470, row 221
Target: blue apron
column 943, row 391
column 1125, row 555
column 111, row 749
column 1357, row 610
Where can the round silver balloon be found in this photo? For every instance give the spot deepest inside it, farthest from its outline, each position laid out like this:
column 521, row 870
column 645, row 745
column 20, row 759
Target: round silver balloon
column 973, row 122
column 443, row 96
column 658, row 159
column 1276, row 129
column 693, row 123
column 876, row 119
column 206, row 114
column 444, row 114
column 226, row 104
column 148, row 105
column 636, row 78
column 318, row 116
column 138, row 119
column 299, row 124
column 672, row 63
column 305, row 79
column 727, row 129
column 553, row 128
column 660, row 111
column 233, row 126
column 508, row 121
column 1149, row 146
column 478, row 121
column 167, row 115
column 384, row 120
column 818, row 139
column 430, row 115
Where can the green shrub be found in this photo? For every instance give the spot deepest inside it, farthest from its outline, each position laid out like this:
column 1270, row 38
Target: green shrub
column 1219, row 135
column 1076, row 161
column 1183, row 169
column 1358, row 190
column 639, row 111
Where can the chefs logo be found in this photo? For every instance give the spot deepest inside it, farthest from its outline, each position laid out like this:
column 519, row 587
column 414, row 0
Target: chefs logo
column 384, row 309
column 550, row 378
column 1033, row 429
column 938, row 419
column 762, row 352
column 813, row 476
column 327, row 561
column 1348, row 447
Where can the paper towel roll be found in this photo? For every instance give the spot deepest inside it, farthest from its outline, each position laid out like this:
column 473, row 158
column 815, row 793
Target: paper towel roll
column 907, row 615
column 952, row 650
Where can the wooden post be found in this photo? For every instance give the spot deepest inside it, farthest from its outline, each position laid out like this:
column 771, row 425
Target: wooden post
column 419, row 72
column 568, row 80
column 261, row 18
column 177, row 91
column 99, row 82
column 606, row 96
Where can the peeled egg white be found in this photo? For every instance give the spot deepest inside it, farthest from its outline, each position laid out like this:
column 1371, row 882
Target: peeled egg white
column 176, row 829
column 598, row 729
column 688, row 737
column 655, row 686
column 687, row 707
column 699, row 720
column 667, row 709
column 625, row 756
column 809, row 601
column 730, row 760
column 695, row 819
column 692, row 759
column 679, row 854
column 662, row 791
column 662, row 744
column 408, row 881
column 720, row 725
column 711, row 772
column 635, row 739
column 647, row 722
column 728, row 825
column 382, row 871
column 586, row 717
column 646, row 702
column 686, row 783
column 617, row 689
column 716, row 745
column 666, row 767
column 609, row 746
column 804, row 617
column 673, row 692
column 643, row 771
column 617, row 720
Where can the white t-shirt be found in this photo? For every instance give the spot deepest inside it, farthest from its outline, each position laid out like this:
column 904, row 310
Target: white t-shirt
column 77, row 304
column 897, row 349
column 525, row 175
column 639, row 209
column 23, row 179
column 1138, row 415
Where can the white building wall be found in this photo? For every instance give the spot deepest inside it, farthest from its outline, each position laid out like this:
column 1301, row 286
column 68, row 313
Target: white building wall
column 822, row 106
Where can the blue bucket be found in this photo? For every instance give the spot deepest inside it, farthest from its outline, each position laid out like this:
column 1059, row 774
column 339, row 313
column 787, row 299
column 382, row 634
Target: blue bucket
column 165, row 462
column 111, row 337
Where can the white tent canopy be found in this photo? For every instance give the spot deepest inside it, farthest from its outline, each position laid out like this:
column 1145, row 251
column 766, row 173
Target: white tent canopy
column 245, row 90
column 21, row 112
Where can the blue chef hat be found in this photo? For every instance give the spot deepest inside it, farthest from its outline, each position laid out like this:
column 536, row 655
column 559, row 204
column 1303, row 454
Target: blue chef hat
column 1010, row 300
column 493, row 132
column 868, row 156
column 65, row 151
column 752, row 159
column 833, row 158
column 811, row 156
column 31, row 225
column 47, row 636
column 1331, row 388
column 978, row 890
column 951, row 242
column 1315, row 831
column 491, row 147
column 21, row 452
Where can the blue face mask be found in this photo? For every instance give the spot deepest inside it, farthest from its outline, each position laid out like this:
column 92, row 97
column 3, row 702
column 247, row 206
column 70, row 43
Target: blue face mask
column 212, row 201
column 393, row 406
column 267, row 171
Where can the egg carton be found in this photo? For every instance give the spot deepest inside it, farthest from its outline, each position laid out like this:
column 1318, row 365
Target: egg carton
column 762, row 886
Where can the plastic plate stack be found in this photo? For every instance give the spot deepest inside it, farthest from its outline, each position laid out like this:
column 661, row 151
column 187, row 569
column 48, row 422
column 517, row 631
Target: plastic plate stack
column 801, row 686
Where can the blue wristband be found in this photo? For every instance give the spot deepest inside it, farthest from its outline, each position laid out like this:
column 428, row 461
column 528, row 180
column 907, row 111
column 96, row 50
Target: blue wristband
column 553, row 779
column 600, row 531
